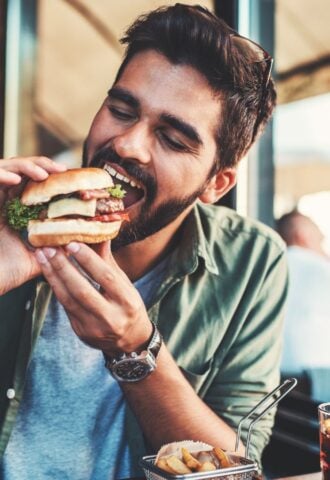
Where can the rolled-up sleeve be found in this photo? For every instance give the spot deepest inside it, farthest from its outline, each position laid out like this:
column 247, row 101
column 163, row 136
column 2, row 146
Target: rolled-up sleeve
column 250, row 369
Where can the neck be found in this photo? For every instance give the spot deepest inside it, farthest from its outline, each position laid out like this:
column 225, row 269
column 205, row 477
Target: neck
column 138, row 258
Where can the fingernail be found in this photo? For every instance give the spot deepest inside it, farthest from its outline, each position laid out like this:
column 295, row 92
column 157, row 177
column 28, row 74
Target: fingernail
column 49, row 252
column 73, row 247
column 41, row 257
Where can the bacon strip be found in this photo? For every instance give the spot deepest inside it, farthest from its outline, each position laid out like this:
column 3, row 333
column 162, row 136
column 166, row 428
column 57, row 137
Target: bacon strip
column 111, row 217
column 90, row 194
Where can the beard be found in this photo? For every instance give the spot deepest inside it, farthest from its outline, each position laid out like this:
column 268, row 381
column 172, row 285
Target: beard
column 150, row 219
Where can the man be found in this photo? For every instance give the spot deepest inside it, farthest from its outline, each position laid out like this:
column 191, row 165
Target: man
column 306, row 331
column 187, row 104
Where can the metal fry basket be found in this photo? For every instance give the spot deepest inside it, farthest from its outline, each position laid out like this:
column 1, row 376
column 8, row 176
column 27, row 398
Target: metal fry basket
column 243, row 468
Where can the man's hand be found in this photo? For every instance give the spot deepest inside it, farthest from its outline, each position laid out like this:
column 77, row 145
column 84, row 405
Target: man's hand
column 18, row 264
column 113, row 319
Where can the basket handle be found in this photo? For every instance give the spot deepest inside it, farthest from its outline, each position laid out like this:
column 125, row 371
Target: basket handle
column 287, row 386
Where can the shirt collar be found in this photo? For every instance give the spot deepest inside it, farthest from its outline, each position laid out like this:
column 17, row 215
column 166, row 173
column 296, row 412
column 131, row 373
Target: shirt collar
column 194, row 246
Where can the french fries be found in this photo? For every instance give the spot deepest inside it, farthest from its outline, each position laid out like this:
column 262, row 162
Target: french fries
column 162, row 464
column 189, row 460
column 222, row 457
column 177, row 465
column 207, row 467
column 195, row 461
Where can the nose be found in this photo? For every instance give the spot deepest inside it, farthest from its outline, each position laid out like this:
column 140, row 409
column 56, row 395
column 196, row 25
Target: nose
column 134, row 143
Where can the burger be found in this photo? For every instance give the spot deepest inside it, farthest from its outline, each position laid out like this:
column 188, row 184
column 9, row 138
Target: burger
column 80, row 204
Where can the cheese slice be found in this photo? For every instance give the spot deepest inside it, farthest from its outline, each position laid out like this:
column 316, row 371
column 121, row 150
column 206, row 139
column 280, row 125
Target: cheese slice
column 72, row 206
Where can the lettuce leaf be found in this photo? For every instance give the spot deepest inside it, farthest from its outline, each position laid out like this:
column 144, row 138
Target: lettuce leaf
column 18, row 215
column 117, row 191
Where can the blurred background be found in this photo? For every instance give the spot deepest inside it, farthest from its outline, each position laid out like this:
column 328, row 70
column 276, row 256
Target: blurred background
column 58, row 58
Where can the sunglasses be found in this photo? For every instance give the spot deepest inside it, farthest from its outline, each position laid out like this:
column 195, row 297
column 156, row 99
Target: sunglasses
column 254, row 53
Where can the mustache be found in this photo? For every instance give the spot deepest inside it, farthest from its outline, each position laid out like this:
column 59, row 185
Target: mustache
column 104, row 155
column 109, row 155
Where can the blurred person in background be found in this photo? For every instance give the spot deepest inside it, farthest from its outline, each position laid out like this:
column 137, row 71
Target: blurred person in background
column 307, row 324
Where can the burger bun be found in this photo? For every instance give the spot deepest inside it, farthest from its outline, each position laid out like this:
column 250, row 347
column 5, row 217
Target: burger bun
column 57, row 232
column 63, row 183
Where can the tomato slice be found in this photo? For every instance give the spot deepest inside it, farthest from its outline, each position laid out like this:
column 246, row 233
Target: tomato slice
column 111, row 217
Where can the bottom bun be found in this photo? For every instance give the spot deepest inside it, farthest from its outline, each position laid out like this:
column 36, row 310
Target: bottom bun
column 52, row 233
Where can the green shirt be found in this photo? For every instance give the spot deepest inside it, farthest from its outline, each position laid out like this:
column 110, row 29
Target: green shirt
column 219, row 310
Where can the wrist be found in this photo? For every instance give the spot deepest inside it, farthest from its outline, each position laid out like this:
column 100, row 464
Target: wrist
column 135, row 366
column 131, row 342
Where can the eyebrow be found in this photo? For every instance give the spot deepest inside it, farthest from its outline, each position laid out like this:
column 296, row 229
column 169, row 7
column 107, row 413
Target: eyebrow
column 173, row 121
column 123, row 95
column 178, row 124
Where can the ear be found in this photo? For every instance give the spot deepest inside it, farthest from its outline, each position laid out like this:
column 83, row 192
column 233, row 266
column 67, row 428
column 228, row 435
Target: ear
column 219, row 185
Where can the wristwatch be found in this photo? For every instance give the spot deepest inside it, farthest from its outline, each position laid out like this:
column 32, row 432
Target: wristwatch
column 133, row 367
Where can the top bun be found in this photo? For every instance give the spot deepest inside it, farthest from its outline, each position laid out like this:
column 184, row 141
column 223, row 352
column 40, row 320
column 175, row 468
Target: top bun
column 65, row 182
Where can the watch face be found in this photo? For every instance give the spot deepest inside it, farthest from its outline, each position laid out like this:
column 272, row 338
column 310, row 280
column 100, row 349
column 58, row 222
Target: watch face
column 132, row 370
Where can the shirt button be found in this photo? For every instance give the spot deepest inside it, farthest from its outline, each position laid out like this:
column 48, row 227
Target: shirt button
column 28, row 305
column 10, row 393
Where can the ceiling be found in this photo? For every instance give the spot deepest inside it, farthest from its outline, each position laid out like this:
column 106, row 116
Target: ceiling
column 79, row 53
column 302, row 48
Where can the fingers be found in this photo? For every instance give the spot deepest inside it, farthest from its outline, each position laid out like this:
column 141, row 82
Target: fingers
column 114, row 319
column 114, row 284
column 36, row 168
column 9, row 178
column 49, row 273
column 104, row 270
column 90, row 313
column 65, row 279
column 49, row 165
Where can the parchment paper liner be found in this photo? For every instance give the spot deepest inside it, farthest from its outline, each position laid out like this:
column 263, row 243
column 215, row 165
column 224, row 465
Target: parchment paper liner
column 174, row 448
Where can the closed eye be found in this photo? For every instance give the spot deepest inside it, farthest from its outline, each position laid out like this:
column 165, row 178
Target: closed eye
column 121, row 114
column 173, row 144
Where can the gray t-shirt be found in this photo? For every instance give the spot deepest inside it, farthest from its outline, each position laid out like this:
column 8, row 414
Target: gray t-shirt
column 70, row 423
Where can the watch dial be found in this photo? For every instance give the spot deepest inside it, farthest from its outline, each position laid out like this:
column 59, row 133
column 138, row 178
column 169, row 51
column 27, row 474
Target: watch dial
column 127, row 371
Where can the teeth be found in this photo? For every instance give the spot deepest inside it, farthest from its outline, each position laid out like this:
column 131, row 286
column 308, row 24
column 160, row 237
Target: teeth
column 110, row 170
column 121, row 177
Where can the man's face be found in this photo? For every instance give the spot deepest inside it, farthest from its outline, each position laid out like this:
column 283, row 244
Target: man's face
column 157, row 128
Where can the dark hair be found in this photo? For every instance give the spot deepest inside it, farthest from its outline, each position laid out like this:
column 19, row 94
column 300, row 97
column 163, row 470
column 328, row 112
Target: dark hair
column 192, row 35
column 288, row 224
column 285, row 225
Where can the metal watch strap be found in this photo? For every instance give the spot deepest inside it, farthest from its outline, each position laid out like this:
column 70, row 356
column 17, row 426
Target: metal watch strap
column 155, row 342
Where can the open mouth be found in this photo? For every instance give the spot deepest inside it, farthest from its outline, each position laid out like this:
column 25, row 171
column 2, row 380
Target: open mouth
column 134, row 191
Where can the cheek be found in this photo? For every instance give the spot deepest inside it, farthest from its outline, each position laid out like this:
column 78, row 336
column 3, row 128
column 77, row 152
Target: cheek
column 177, row 176
column 102, row 129
column 168, row 170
